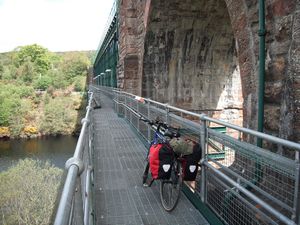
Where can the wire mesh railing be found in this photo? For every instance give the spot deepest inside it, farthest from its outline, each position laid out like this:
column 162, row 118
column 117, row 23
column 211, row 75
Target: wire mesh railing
column 244, row 184
column 76, row 205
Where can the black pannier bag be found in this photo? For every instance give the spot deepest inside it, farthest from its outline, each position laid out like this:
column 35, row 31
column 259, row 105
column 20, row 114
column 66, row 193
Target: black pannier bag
column 190, row 163
column 160, row 159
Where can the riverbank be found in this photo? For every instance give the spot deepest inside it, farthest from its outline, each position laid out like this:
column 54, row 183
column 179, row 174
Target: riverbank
column 48, row 113
column 41, row 92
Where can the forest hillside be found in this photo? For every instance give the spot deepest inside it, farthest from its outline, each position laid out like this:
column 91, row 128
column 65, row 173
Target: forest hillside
column 41, row 92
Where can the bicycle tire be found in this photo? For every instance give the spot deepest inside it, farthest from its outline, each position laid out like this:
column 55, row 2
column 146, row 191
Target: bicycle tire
column 170, row 189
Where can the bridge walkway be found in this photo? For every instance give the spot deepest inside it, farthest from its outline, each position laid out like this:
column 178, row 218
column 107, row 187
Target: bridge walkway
column 119, row 195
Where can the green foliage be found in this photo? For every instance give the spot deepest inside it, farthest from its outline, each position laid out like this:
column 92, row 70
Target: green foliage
column 25, row 75
column 58, row 79
column 79, row 83
column 26, row 71
column 75, row 64
column 43, row 82
column 10, row 101
column 24, row 91
column 9, row 73
column 28, row 192
column 17, row 121
column 21, row 91
column 59, row 116
column 8, row 107
column 1, row 69
column 36, row 54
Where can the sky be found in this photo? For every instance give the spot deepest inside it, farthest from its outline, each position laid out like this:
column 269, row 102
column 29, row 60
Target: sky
column 58, row 25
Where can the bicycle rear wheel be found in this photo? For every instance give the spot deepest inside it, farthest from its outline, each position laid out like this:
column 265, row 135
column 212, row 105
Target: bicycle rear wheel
column 170, row 189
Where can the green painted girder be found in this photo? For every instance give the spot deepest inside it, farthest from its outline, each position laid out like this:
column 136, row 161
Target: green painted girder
column 106, row 59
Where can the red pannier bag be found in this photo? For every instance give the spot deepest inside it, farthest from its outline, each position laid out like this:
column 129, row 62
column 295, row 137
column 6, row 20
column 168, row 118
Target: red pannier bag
column 190, row 163
column 160, row 160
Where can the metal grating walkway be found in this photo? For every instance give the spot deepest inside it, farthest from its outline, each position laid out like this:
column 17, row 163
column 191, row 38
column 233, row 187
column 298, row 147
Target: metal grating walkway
column 120, row 197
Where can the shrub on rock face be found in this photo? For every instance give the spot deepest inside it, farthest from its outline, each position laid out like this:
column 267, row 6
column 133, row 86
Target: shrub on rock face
column 4, row 132
column 29, row 130
column 28, row 192
column 43, row 83
column 59, row 117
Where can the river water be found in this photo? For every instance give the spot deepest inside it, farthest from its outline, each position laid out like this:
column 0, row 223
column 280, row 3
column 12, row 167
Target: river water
column 56, row 150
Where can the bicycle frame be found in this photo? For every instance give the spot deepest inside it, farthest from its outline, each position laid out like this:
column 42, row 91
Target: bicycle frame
column 158, row 136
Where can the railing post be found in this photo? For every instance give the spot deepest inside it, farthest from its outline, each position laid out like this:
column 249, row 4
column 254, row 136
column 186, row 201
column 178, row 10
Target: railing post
column 148, row 127
column 114, row 99
column 138, row 111
column 87, row 195
column 125, row 108
column 90, row 139
column 296, row 215
column 130, row 111
column 118, row 103
column 203, row 140
column 78, row 216
column 167, row 114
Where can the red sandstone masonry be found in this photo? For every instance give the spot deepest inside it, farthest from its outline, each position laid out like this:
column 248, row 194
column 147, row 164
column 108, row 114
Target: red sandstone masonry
column 282, row 48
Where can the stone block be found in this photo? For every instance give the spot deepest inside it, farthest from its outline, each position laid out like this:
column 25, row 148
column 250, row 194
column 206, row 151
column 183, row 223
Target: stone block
column 276, row 68
column 295, row 58
column 296, row 84
column 246, row 77
column 239, row 24
column 283, row 7
column 296, row 26
column 131, row 13
column 251, row 3
column 283, row 28
column 271, row 117
column 243, row 42
column 273, row 91
column 235, row 8
column 280, row 48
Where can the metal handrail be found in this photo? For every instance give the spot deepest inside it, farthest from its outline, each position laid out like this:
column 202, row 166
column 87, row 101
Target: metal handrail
column 75, row 166
column 131, row 105
column 203, row 117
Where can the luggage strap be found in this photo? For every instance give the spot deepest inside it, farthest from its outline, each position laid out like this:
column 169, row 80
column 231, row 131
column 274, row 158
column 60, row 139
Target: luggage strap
column 145, row 177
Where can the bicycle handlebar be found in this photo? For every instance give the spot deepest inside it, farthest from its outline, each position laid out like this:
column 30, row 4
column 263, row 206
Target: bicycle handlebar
column 166, row 130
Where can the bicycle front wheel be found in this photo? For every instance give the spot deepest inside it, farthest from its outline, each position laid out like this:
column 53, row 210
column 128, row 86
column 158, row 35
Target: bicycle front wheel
column 170, row 189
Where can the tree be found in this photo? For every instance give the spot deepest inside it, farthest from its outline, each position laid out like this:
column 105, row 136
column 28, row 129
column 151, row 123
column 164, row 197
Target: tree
column 36, row 54
column 28, row 192
column 1, row 70
column 27, row 71
column 59, row 116
column 75, row 64
column 43, row 82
